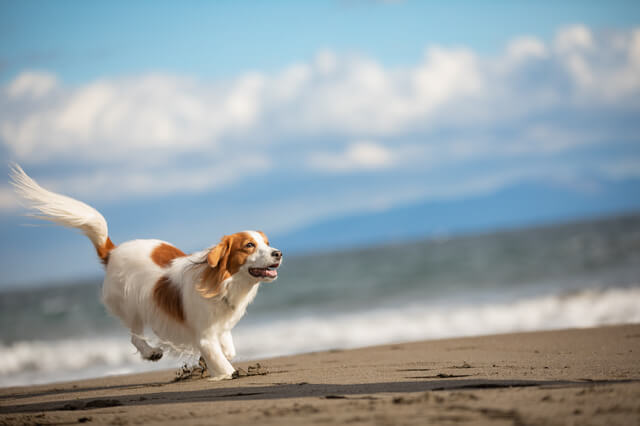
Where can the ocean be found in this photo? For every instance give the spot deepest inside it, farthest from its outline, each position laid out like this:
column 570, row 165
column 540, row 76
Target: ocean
column 568, row 275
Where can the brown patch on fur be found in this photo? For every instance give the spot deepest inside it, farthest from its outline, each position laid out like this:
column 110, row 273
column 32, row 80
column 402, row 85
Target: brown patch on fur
column 104, row 250
column 168, row 297
column 164, row 254
column 224, row 260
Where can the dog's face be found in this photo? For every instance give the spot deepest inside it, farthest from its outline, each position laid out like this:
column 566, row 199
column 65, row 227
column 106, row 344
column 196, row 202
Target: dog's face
column 251, row 253
column 246, row 253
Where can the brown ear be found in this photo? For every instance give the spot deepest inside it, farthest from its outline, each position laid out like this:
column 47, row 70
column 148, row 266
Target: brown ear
column 211, row 282
column 216, row 254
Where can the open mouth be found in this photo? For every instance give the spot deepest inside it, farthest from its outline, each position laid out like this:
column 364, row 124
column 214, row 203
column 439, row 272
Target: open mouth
column 268, row 272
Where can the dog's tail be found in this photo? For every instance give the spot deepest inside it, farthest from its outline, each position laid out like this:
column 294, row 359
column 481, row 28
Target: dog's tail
column 63, row 210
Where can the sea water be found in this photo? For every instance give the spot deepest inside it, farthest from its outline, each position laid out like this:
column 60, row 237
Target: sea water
column 570, row 275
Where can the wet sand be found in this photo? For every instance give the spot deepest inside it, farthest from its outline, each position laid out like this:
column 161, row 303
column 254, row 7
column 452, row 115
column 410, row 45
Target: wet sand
column 582, row 377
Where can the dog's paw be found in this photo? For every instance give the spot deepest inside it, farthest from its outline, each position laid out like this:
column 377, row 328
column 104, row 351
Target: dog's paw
column 153, row 355
column 220, row 377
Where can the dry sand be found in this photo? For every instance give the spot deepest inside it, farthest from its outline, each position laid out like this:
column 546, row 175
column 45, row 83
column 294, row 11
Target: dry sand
column 581, row 377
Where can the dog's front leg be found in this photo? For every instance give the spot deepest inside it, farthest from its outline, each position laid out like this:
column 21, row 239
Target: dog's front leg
column 217, row 364
column 228, row 349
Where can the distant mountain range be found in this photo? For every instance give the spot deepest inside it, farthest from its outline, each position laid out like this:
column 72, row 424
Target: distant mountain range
column 525, row 204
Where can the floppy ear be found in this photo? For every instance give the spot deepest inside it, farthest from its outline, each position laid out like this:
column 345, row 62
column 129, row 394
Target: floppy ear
column 211, row 282
column 216, row 254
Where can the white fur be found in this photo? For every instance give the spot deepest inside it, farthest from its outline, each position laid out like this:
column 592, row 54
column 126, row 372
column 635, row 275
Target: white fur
column 127, row 292
column 131, row 275
column 60, row 209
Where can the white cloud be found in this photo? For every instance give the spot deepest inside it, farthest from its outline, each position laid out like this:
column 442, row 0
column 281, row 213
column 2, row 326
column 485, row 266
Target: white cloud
column 32, row 84
column 449, row 108
column 362, row 155
column 326, row 62
column 577, row 37
column 113, row 184
column 444, row 75
column 526, row 47
column 124, row 119
column 605, row 68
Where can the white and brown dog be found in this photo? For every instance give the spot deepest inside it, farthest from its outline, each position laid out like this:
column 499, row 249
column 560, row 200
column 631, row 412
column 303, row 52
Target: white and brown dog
column 190, row 301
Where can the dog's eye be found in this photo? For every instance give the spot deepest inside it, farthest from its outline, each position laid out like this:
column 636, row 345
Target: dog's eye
column 250, row 245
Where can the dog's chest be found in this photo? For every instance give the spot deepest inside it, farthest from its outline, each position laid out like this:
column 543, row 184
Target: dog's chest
column 236, row 305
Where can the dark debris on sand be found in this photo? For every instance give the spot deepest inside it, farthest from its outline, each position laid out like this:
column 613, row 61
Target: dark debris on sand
column 252, row 370
column 192, row 372
column 195, row 372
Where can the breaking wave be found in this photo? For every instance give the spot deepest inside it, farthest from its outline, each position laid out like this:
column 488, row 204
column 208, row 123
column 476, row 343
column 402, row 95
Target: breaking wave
column 29, row 362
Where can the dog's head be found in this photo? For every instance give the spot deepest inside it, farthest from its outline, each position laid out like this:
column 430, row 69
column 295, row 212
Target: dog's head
column 245, row 253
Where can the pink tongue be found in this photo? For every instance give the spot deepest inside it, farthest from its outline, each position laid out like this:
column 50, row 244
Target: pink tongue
column 270, row 273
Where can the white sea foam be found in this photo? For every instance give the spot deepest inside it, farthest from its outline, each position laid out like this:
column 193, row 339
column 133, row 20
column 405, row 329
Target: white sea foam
column 586, row 308
column 40, row 361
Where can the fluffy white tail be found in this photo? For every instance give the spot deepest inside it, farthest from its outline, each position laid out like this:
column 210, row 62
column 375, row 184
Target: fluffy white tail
column 63, row 210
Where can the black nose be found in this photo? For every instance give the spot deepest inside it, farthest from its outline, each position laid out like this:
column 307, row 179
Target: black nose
column 277, row 254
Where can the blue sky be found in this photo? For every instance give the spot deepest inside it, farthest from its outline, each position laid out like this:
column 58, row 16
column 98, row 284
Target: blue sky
column 185, row 122
column 81, row 41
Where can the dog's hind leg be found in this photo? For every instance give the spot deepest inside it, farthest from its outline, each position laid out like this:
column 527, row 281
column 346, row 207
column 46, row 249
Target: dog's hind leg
column 137, row 338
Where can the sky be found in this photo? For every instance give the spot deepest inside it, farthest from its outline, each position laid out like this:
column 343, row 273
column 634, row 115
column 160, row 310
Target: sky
column 188, row 121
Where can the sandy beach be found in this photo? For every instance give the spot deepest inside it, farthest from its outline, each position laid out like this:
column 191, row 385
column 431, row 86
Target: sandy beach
column 584, row 376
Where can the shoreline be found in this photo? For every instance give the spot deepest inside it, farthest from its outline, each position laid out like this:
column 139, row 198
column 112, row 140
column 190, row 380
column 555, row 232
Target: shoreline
column 581, row 376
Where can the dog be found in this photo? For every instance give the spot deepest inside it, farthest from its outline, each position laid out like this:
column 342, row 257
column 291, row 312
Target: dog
column 188, row 300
